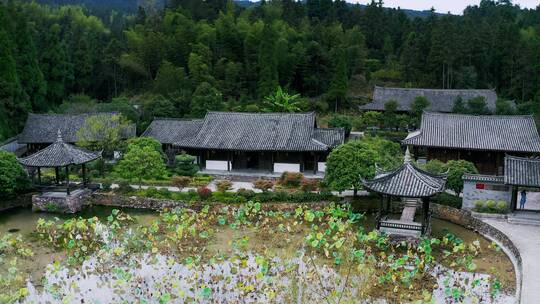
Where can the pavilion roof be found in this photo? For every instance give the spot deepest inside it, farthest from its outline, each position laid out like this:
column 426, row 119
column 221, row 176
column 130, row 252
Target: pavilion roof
column 59, row 154
column 407, row 181
column 522, row 171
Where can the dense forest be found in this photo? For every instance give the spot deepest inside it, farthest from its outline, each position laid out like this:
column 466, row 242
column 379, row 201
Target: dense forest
column 185, row 57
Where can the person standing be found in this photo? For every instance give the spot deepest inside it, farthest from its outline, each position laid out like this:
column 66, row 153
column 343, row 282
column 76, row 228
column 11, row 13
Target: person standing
column 523, row 199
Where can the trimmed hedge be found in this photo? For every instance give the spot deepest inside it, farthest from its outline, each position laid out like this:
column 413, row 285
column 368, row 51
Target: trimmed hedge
column 448, row 200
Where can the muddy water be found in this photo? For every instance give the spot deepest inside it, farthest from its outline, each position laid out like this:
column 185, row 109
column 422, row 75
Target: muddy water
column 23, row 221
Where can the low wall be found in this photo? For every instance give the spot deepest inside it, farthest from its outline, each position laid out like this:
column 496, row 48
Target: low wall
column 286, row 167
column 23, row 200
column 464, row 218
column 50, row 202
column 121, row 201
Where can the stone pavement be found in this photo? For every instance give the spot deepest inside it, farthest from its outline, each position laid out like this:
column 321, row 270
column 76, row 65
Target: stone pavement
column 527, row 240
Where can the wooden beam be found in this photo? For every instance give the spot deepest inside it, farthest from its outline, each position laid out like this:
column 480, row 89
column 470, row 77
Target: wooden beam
column 67, row 179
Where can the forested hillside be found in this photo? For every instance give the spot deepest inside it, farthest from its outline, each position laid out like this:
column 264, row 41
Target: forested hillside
column 194, row 56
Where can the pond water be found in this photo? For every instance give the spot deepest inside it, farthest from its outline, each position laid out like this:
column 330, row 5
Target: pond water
column 23, row 221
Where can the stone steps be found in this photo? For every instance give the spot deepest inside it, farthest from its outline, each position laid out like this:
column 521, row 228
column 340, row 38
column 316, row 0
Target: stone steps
column 524, row 220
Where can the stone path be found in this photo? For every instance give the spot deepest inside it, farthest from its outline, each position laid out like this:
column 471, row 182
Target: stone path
column 527, row 240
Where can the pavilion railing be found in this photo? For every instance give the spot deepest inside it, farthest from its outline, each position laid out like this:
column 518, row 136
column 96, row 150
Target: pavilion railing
column 401, row 226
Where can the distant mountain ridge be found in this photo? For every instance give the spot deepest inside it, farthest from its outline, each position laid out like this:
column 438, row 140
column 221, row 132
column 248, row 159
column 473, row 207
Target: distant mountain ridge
column 131, row 5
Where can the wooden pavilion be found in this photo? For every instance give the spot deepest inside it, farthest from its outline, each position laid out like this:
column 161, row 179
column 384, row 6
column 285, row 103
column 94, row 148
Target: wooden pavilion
column 413, row 185
column 60, row 155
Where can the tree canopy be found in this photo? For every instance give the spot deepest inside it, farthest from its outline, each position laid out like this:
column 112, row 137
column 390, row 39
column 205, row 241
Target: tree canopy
column 12, row 175
column 194, row 57
column 356, row 159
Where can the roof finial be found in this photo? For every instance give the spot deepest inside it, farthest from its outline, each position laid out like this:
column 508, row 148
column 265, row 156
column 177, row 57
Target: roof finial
column 59, row 136
column 407, row 158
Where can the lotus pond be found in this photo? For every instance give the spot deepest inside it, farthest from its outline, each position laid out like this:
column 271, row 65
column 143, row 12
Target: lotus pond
column 249, row 253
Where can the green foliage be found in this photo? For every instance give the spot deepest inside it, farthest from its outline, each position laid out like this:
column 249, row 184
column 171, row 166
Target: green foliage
column 456, row 169
column 504, row 107
column 180, row 181
column 185, row 165
column 13, row 178
column 103, row 132
column 491, row 206
column 205, row 98
column 291, row 179
column 142, row 161
column 281, row 101
column 477, row 106
column 418, row 106
column 341, row 121
column 224, row 185
column 448, row 200
column 356, row 159
column 435, row 166
column 459, row 106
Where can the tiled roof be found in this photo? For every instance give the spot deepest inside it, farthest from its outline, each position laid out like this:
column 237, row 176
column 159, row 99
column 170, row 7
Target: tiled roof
column 170, row 131
column 248, row 132
column 516, row 133
column 59, row 154
column 42, row 128
column 484, row 178
column 440, row 100
column 407, row 181
column 522, row 171
column 332, row 137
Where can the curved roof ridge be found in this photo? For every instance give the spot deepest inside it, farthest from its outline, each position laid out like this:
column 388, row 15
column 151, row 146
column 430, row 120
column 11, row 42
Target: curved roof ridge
column 489, row 116
column 428, row 89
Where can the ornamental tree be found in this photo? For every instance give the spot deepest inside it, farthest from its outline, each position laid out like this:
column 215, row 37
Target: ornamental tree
column 141, row 162
column 356, row 159
column 185, row 165
column 103, row 132
column 456, row 169
column 12, row 175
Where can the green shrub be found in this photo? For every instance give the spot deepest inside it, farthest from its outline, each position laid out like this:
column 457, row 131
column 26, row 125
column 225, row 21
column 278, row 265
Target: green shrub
column 204, row 192
column 245, row 193
column 448, row 200
column 201, row 180
column 502, row 206
column 263, row 184
column 106, row 186
column 164, row 193
column 124, row 187
column 491, row 204
column 151, row 192
column 291, row 179
column 181, row 181
column 224, row 185
column 309, row 185
column 185, row 165
column 479, row 204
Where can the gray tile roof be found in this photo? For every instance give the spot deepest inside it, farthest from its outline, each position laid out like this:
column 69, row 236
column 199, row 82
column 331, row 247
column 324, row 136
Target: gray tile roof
column 42, row 128
column 483, row 178
column 248, row 132
column 170, row 131
column 407, row 181
column 331, row 137
column 440, row 100
column 522, row 171
column 515, row 133
column 59, row 154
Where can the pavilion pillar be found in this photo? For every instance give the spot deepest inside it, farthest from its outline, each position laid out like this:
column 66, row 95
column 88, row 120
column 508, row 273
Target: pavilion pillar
column 229, row 161
column 272, row 161
column 57, row 175
column 379, row 217
column 425, row 214
column 84, row 175
column 315, row 163
column 39, row 175
column 513, row 203
column 67, row 180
